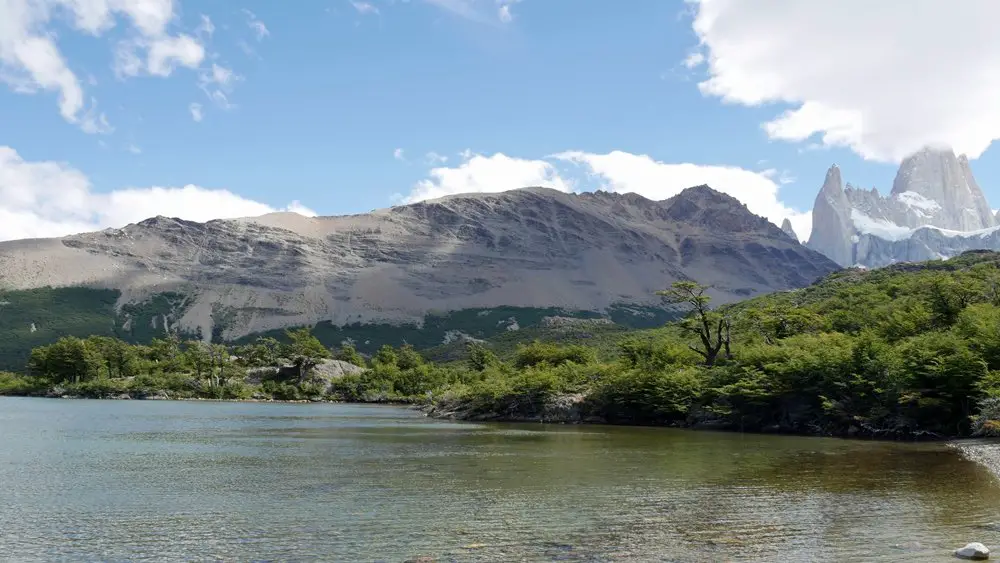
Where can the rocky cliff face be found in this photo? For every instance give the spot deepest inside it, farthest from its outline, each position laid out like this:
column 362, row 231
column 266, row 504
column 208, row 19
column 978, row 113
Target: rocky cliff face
column 933, row 190
column 832, row 227
column 530, row 248
column 786, row 226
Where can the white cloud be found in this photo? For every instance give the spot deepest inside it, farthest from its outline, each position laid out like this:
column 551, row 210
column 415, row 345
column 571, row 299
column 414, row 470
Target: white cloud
column 883, row 80
column 195, row 109
column 30, row 59
column 694, row 59
column 259, row 29
column 44, row 199
column 134, row 149
column 217, row 83
column 206, row 27
column 434, row 158
column 398, row 155
column 296, row 207
column 482, row 11
column 364, row 8
column 616, row 171
column 481, row 173
column 167, row 53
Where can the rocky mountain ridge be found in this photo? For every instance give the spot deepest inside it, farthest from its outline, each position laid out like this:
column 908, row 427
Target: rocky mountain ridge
column 936, row 209
column 532, row 247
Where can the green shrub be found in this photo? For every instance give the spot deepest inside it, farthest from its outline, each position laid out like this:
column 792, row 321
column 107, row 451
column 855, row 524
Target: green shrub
column 538, row 353
column 14, row 384
column 648, row 397
column 348, row 353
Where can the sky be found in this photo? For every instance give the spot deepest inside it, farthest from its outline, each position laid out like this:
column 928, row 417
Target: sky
column 112, row 111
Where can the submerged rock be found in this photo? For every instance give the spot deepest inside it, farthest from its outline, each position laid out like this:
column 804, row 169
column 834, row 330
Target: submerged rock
column 974, row 551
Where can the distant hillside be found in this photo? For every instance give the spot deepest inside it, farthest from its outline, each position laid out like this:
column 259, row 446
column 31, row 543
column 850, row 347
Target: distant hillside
column 476, row 264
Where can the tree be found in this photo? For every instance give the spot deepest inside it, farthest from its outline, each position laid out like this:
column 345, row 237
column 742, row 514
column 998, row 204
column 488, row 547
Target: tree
column 304, row 350
column 480, row 357
column 197, row 356
column 263, row 352
column 348, row 353
column 408, row 358
column 711, row 327
column 385, row 356
column 166, row 352
column 219, row 358
column 67, row 359
column 119, row 358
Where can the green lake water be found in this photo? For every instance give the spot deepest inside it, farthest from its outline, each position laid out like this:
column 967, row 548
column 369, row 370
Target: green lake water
column 201, row 481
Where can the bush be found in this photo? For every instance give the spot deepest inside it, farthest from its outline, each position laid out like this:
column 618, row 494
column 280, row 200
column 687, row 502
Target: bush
column 656, row 355
column 648, row 397
column 282, row 391
column 986, row 422
column 100, row 388
column 348, row 353
column 538, row 353
column 13, row 384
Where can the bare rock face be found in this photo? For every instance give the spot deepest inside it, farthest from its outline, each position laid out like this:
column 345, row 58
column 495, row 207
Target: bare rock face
column 786, row 226
column 832, row 227
column 941, row 177
column 933, row 190
column 531, row 247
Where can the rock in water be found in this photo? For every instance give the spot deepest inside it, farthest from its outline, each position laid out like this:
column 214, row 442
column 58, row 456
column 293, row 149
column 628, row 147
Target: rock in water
column 974, row 551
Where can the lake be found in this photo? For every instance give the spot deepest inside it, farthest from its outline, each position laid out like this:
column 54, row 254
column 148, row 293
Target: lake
column 173, row 481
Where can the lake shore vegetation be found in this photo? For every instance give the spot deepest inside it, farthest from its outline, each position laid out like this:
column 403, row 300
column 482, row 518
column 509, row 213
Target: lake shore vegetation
column 908, row 351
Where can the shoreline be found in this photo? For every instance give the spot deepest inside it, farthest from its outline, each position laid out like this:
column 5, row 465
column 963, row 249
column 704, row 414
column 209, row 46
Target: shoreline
column 164, row 398
column 433, row 411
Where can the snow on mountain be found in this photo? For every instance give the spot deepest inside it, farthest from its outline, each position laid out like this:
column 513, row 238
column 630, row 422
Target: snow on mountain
column 918, row 203
column 936, row 209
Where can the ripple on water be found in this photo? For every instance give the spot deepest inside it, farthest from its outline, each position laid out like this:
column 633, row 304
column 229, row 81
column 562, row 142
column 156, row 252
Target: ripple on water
column 110, row 481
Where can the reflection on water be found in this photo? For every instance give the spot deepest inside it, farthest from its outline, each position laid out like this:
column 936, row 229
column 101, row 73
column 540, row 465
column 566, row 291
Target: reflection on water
column 116, row 481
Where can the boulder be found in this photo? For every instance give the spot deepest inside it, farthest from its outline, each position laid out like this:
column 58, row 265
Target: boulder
column 326, row 371
column 974, row 551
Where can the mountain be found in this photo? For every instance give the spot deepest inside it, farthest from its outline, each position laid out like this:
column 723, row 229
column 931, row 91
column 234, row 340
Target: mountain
column 935, row 210
column 531, row 248
column 786, row 226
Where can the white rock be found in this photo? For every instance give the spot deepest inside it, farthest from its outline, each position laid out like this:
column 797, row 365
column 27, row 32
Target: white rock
column 974, row 551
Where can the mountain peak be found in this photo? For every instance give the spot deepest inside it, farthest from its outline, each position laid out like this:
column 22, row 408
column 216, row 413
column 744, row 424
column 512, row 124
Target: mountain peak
column 786, row 226
column 938, row 175
column 833, row 182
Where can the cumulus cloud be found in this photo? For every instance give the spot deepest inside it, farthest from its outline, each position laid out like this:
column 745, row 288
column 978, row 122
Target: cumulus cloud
column 883, row 80
column 480, row 173
column 44, row 199
column 615, row 171
column 30, row 60
column 196, row 112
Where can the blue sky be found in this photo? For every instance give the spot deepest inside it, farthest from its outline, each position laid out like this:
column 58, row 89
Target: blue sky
column 349, row 106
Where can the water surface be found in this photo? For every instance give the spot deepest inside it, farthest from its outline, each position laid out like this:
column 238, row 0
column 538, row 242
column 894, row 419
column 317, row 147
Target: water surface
column 199, row 481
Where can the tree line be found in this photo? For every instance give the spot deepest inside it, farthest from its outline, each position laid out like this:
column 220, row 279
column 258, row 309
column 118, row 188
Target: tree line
column 905, row 351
